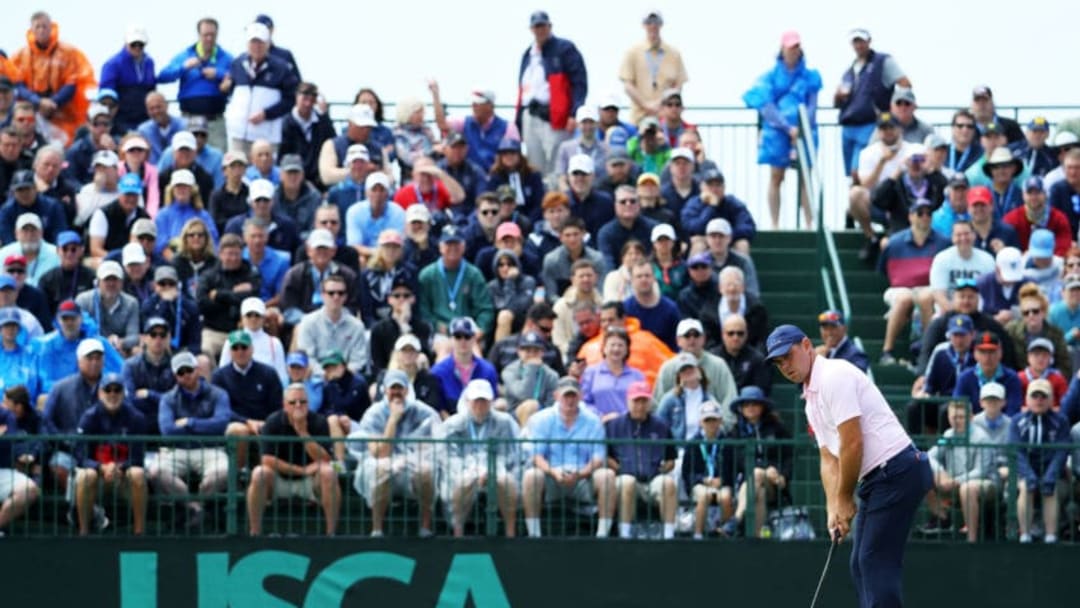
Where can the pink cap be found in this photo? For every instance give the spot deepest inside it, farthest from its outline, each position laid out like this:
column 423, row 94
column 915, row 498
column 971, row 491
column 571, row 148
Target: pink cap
column 638, row 390
column 790, row 38
column 507, row 229
column 391, row 237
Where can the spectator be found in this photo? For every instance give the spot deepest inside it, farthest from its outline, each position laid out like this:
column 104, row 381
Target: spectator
column 712, row 204
column 115, row 312
column 861, row 99
column 734, row 300
column 896, row 194
column 295, row 198
column 407, row 357
column 642, row 476
column 1040, row 353
column 294, row 469
column 70, row 278
column 479, row 229
column 985, row 112
column 528, row 382
column 1039, row 158
column 161, row 127
column 650, row 67
column 177, row 308
column 102, row 190
column 991, row 234
column 11, row 159
column 876, row 161
column 778, row 96
column 16, row 360
column 300, row 370
column 17, row 491
column 147, row 375
column 989, row 368
column 331, row 327
column 906, row 262
column 431, row 187
column 989, row 427
column 283, row 233
column 335, row 162
column 585, row 142
column 27, row 297
column 66, row 401
column 605, row 384
column 193, row 407
column 300, row 288
column 773, row 463
column 253, row 389
column 949, row 360
column 582, row 289
column 561, row 470
column 306, row 128
column 221, row 290
column 54, row 75
column 262, row 163
column 965, row 301
column 399, row 321
column 182, row 203
column 25, row 199
column 691, row 386
column 650, row 148
column 1041, row 266
column 511, row 292
column 137, row 278
column 619, row 170
column 508, row 237
column 466, row 468
column 40, row 256
column 109, row 228
column 706, row 476
column 516, row 171
column 271, row 264
column 700, row 285
column 955, row 205
column 586, row 316
column 399, row 468
column 30, row 325
column 48, row 163
column 383, row 272
column 1033, row 324
column 668, row 268
column 1005, row 175
column 261, row 82
column 552, row 85
column 1039, row 469
column 1065, row 315
column 345, row 398
column 413, row 139
column 200, row 69
column 455, row 371
column 991, row 138
column 367, row 219
column 482, row 130
column 1035, row 214
column 835, row 343
column 957, row 470
column 458, row 165
column 1064, row 193
column 117, row 464
column 617, row 284
column 231, row 198
column 451, row 287
column 559, row 262
column 961, row 261
column 657, row 313
column 652, row 204
column 1064, row 143
column 747, row 364
column 328, row 217
column 54, row 350
column 265, row 348
column 964, row 149
column 196, row 153
column 903, row 106
column 539, row 318
column 95, row 138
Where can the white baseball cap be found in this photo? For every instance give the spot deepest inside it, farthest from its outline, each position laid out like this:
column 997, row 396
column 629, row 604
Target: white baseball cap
column 183, row 139
column 378, row 178
column 685, row 153
column 687, row 325
column 362, row 115
column 255, row 305
column 356, row 152
column 136, row 33
column 1010, row 264
column 662, row 230
column 586, row 112
column 106, row 158
column 718, row 224
column 260, row 188
column 992, row 390
column 182, row 177
column 321, row 237
column 478, row 389
column 28, row 219
column 417, row 213
column 97, row 109
column 133, row 253
column 407, row 340
column 257, row 31
column 89, row 346
column 110, row 268
column 481, row 95
column 581, row 162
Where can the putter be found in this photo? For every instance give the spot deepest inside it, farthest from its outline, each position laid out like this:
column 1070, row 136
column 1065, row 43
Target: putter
column 834, row 540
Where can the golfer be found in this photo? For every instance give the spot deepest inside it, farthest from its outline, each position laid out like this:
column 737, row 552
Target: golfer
column 861, row 441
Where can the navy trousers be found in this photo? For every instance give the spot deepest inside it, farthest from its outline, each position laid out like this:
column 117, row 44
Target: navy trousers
column 889, row 497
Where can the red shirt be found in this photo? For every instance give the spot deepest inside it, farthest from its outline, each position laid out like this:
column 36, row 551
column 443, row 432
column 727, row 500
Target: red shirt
column 409, row 194
column 1058, row 224
column 1057, row 381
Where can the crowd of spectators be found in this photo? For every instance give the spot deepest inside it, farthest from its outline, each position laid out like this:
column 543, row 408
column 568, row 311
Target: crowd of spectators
column 244, row 268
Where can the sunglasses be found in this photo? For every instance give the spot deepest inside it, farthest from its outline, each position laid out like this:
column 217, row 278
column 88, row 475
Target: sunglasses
column 1039, row 395
column 692, row 334
column 334, row 293
column 1072, row 264
column 964, row 125
column 113, row 389
column 166, row 284
column 698, row 266
column 183, row 371
column 627, row 201
column 71, row 248
column 201, row 235
column 297, row 402
column 147, row 237
column 490, row 212
column 239, row 347
column 137, row 45
column 157, row 335
column 735, row 333
column 140, row 150
column 102, row 124
column 16, row 271
column 924, row 212
column 253, row 314
column 401, row 295
column 673, row 104
column 462, row 337
column 547, row 329
column 1031, row 311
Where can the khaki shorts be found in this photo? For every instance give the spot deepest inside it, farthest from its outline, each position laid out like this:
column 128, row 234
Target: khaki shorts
column 469, row 480
column 397, row 470
column 893, row 293
column 302, row 488
column 701, row 491
column 651, row 491
column 182, row 462
column 10, row 480
column 582, row 491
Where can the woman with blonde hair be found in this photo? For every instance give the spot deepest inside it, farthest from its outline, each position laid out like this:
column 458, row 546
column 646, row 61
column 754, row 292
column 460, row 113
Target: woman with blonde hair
column 135, row 158
column 194, row 252
column 182, row 203
column 385, row 270
column 1033, row 324
column 412, row 138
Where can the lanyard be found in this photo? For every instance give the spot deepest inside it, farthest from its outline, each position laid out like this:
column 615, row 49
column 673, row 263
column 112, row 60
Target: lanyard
column 916, row 191
column 1002, row 200
column 653, row 58
column 176, row 331
column 710, row 459
column 452, row 291
column 477, row 435
column 956, row 164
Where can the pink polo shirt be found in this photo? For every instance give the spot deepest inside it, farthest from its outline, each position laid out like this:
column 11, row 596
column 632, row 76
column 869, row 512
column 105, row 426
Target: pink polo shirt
column 838, row 391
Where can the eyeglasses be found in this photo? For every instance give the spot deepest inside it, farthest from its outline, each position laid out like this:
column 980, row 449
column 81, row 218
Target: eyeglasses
column 183, row 371
column 400, row 295
column 147, row 237
column 462, row 337
column 130, row 150
column 1031, row 311
column 904, row 103
column 924, row 212
column 735, row 333
column 334, row 293
column 297, row 401
column 328, row 222
column 166, row 284
column 964, row 125
column 112, row 389
column 692, row 334
column 158, row 335
column 201, row 235
column 16, row 271
column 202, row 134
column 1039, row 395
column 253, row 314
column 239, row 347
column 627, row 201
column 489, row 212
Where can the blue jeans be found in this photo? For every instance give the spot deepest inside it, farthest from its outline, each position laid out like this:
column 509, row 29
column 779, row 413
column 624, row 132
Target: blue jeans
column 889, row 497
column 854, row 139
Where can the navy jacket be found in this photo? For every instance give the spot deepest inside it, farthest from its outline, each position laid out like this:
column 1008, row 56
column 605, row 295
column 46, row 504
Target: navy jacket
column 779, row 456
column 1070, row 403
column 346, row 396
column 188, row 336
column 935, row 334
column 699, row 452
column 207, row 412
column 968, row 385
column 98, row 421
column 850, row 352
column 1039, row 466
column 696, row 215
column 944, row 370
column 131, row 82
column 642, row 458
column 869, row 95
column 677, row 202
column 68, row 399
column 533, row 191
column 613, row 235
column 596, row 209
column 252, row 396
column 51, row 213
column 157, row 379
column 566, row 76
column 992, row 296
column 1062, row 197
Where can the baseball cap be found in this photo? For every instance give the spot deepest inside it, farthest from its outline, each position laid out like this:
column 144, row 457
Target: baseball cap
column 859, row 34
column 903, row 94
column 253, row 304
column 507, row 229
column 965, row 283
column 97, row 109
column 530, row 339
column 1039, row 123
column 183, row 139
column 684, row 360
column 567, row 384
column 110, row 269
column 1072, row 281
column 580, row 162
column 781, row 340
column 182, row 177
column 391, row 237
column 239, row 336
column 28, row 219
column 671, row 92
column 790, row 39
column 106, row 158
column 291, row 162
column 333, row 357
column 618, row 155
column 407, row 341
column 981, row 91
column 377, row 178
column 990, row 129
column 132, row 253
column 648, row 177
column 649, row 122
column 683, row 153
column 10, row 315
column 886, row 119
column 260, row 188
column 662, row 231
column 920, row 203
column 234, row 156
column 639, row 390
column 450, row 233
column 934, row 141
column 22, row 179
column 979, row 195
column 586, row 112
column 297, row 358
column 1034, row 183
column 15, row 260
column 130, row 184
column 136, row 33
column 7, row 281
column 362, row 115
column 1041, row 343
column 959, row 180
column 688, row 325
column 710, row 410
column 417, row 213
column 135, row 143
column 165, row 273
column 960, row 324
column 321, row 237
column 153, row 322
column 505, row 193
column 507, row 144
column 653, row 17
column 357, row 152
column 987, row 340
column 455, row 138
column 539, row 18
column 395, row 377
column 992, row 390
column 198, row 124
column 712, row 174
column 88, row 347
column 68, row 308
column 68, row 237
column 478, row 389
column 264, row 19
column 1040, row 385
column 462, row 326
column 610, row 99
column 481, row 95
column 181, row 360
column 1042, row 243
column 718, row 225
column 257, row 31
column 832, row 318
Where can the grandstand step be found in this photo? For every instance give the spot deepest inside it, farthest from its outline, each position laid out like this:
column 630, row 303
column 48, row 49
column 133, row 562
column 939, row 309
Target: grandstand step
column 772, row 239
column 785, row 258
column 892, row 374
column 850, row 240
column 800, row 281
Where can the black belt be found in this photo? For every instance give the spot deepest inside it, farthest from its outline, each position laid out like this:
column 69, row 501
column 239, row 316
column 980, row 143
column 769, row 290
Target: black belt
column 874, row 472
column 540, row 110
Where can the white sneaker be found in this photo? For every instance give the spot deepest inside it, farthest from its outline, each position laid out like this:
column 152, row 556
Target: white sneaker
column 1050, row 539
column 1025, row 539
column 376, row 534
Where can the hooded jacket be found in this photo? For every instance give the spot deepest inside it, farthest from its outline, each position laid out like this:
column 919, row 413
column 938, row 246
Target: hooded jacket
column 54, row 355
column 221, row 312
column 60, row 72
column 516, row 294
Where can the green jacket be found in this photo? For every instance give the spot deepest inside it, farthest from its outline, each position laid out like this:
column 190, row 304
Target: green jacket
column 472, row 298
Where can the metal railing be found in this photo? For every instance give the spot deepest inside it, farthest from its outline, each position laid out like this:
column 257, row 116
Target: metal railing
column 439, row 469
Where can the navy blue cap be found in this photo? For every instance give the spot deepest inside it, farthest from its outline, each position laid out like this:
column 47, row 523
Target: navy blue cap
column 1034, row 183
column 539, row 18
column 68, row 237
column 781, row 340
column 1039, row 123
column 530, row 339
column 451, row 233
column 991, row 128
column 297, row 359
column 10, row 315
column 920, row 203
column 959, row 180
column 712, row 174
column 265, row 19
column 111, row 379
column 507, row 144
column 960, row 324
column 463, row 326
column 886, row 119
column 703, row 257
column 153, row 322
column 22, row 179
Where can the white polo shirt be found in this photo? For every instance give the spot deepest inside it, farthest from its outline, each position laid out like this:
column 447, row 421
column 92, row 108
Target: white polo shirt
column 837, row 392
